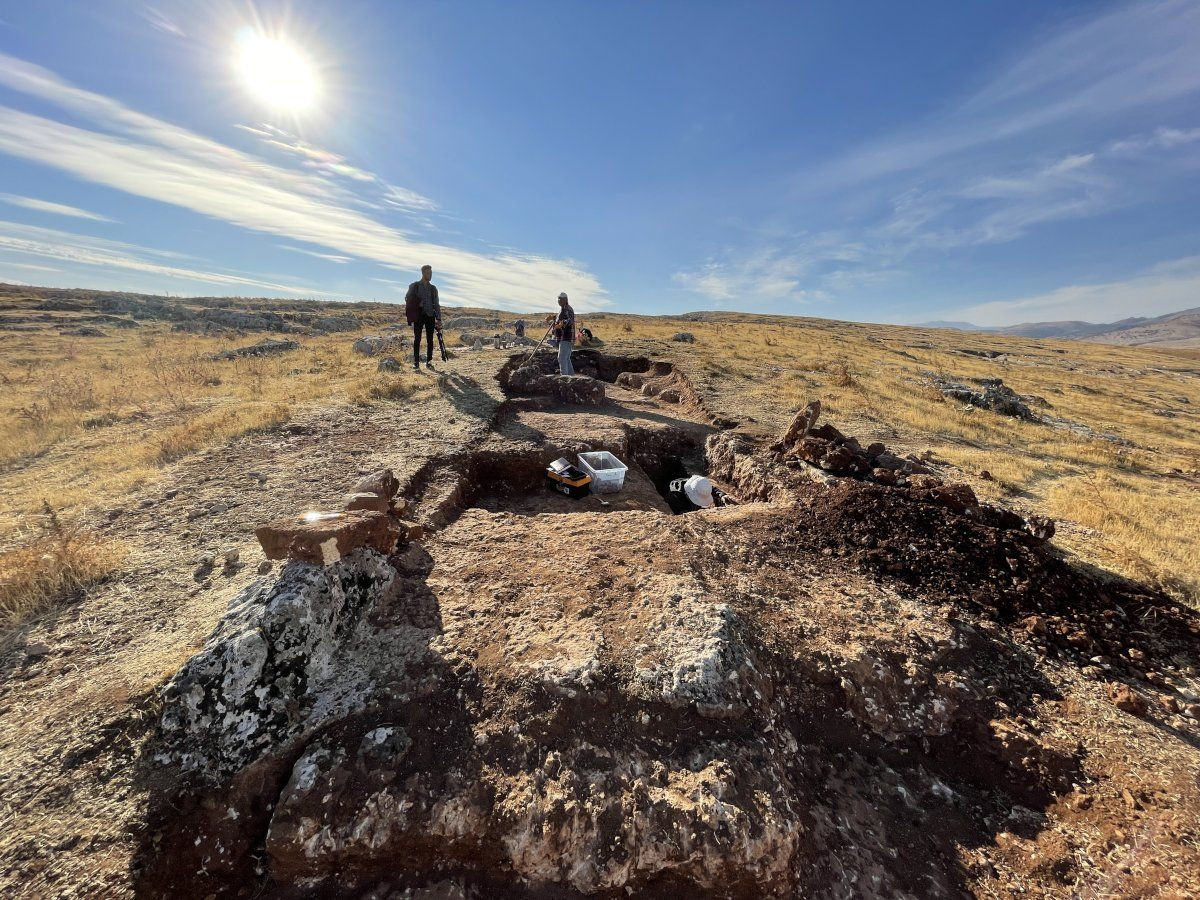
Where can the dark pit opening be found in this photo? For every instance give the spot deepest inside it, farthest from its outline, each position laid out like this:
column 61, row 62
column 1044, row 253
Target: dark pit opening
column 667, row 457
column 514, row 480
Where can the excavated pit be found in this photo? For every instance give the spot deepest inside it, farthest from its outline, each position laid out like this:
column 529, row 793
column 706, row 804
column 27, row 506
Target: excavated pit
column 513, row 479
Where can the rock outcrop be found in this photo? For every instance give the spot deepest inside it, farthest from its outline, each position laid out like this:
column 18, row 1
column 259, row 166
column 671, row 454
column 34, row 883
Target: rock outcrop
column 992, row 394
column 262, row 348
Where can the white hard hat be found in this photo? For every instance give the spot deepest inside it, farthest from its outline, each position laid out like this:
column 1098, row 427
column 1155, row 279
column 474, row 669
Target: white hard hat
column 699, row 490
column 562, row 296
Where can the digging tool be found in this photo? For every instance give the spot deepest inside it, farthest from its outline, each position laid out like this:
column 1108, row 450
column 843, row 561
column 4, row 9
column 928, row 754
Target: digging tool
column 538, row 347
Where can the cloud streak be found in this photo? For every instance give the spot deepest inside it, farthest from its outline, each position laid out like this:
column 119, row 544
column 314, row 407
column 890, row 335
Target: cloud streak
column 330, row 257
column 58, row 209
column 79, row 249
column 1131, row 57
column 150, row 158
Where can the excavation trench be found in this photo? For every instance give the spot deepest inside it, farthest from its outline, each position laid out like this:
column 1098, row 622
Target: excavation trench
column 649, row 417
column 512, row 479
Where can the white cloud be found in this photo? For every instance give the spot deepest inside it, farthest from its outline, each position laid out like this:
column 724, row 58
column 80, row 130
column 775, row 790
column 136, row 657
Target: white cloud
column 1167, row 287
column 79, row 249
column 59, row 209
column 331, row 257
column 154, row 159
column 765, row 274
column 711, row 280
column 16, row 265
column 1162, row 139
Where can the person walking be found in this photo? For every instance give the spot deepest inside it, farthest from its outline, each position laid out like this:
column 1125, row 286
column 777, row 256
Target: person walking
column 564, row 333
column 423, row 311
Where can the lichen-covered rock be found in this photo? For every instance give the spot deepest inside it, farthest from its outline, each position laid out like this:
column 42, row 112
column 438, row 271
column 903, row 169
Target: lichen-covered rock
column 262, row 348
column 277, row 666
column 373, row 345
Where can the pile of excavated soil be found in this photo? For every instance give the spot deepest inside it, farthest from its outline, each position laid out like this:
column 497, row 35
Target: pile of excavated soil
column 1004, row 574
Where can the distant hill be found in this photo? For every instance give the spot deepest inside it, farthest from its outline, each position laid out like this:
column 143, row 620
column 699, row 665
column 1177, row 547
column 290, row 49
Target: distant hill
column 950, row 326
column 1177, row 329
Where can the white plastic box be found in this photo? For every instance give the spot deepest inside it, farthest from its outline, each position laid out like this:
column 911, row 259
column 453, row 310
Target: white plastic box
column 608, row 472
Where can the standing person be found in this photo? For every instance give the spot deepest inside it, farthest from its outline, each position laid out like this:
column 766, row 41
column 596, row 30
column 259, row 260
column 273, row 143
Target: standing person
column 519, row 328
column 423, row 311
column 564, row 333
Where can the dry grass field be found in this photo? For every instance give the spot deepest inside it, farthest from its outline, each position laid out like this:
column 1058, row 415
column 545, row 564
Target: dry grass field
column 88, row 421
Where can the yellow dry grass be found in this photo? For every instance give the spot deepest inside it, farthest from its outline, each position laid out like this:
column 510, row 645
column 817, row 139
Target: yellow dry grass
column 1130, row 507
column 60, row 561
column 88, row 421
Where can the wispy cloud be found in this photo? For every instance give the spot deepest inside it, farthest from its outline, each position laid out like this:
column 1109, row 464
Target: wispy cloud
column 1089, row 70
column 16, row 265
column 79, row 249
column 331, row 257
column 765, row 274
column 150, row 158
column 1161, row 289
column 333, row 165
column 161, row 22
column 58, row 209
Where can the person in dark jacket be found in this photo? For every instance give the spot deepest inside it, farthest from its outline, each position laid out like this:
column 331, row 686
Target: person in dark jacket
column 564, row 333
column 423, row 311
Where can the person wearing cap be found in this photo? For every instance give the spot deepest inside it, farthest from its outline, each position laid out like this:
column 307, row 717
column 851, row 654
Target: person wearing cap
column 564, row 333
column 693, row 493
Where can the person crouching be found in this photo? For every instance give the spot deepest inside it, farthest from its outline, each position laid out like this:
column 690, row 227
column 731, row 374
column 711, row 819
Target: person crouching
column 686, row 495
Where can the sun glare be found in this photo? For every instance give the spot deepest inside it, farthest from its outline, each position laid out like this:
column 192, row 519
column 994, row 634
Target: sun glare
column 275, row 72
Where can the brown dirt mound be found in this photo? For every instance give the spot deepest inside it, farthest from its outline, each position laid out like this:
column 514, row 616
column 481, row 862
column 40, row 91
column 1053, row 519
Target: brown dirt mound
column 945, row 557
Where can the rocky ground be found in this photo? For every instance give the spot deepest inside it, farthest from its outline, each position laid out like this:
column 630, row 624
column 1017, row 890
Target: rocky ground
column 853, row 683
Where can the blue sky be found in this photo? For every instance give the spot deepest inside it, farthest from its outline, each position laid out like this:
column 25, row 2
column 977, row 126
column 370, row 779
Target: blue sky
column 989, row 161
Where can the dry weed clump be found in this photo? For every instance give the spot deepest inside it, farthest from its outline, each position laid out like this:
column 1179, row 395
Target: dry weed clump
column 382, row 387
column 55, row 565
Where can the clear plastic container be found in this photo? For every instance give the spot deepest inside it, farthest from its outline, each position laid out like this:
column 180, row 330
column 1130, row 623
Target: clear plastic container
column 608, row 472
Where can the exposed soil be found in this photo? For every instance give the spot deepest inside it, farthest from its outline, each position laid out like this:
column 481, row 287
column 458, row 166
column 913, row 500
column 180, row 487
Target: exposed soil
column 842, row 689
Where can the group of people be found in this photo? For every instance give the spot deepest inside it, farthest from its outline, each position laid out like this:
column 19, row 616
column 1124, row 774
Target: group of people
column 423, row 311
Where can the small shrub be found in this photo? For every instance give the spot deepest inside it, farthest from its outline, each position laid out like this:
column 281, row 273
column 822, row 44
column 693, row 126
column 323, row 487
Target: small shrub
column 51, row 568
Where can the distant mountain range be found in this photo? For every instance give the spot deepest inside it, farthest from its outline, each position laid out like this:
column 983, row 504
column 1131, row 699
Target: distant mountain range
column 1177, row 329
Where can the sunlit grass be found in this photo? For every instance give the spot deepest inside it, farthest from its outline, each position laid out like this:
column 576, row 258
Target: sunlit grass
column 59, row 561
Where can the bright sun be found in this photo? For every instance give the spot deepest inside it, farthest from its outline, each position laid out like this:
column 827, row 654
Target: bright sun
column 276, row 72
